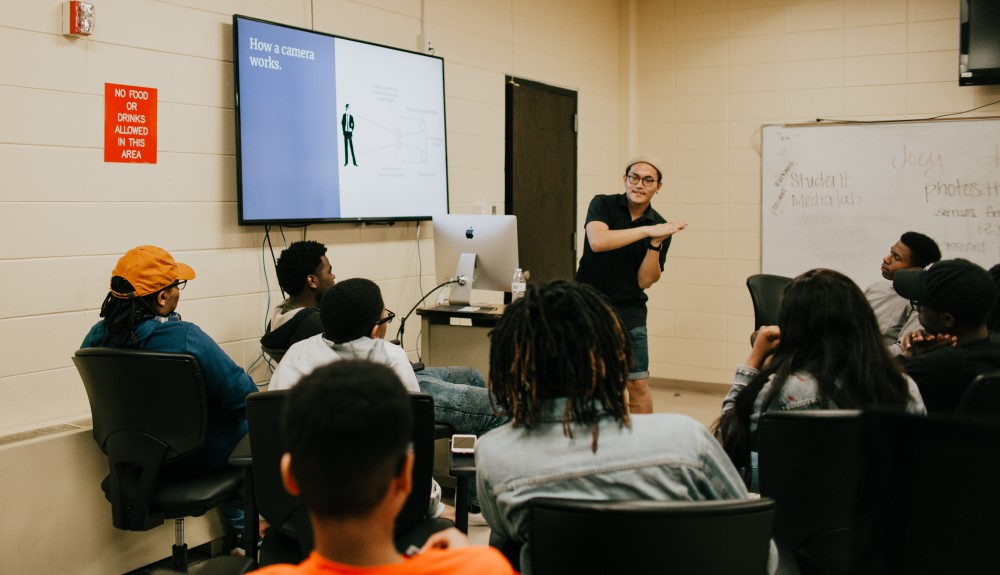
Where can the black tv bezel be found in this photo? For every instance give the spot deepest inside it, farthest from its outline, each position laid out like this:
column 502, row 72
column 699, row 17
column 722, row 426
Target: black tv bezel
column 973, row 76
column 321, row 220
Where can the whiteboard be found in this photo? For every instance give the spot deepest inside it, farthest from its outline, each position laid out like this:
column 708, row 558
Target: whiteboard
column 839, row 195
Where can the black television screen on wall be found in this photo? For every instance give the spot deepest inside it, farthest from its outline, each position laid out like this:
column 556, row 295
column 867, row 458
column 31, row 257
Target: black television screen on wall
column 330, row 129
column 979, row 50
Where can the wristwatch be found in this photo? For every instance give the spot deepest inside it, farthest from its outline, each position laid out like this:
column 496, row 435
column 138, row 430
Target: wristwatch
column 652, row 248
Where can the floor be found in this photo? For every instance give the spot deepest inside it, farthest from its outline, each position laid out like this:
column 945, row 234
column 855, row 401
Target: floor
column 703, row 407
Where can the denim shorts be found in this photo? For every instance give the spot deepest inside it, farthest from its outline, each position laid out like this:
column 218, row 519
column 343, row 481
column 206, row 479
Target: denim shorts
column 640, row 354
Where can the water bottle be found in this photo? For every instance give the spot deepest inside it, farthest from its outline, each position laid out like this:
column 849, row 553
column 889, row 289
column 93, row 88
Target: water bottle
column 517, row 285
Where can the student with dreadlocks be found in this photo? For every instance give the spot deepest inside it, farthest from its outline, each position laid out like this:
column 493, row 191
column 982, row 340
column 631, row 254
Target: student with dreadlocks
column 826, row 352
column 559, row 363
column 140, row 312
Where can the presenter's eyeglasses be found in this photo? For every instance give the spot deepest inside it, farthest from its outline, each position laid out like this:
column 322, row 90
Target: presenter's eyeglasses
column 389, row 315
column 648, row 181
column 180, row 284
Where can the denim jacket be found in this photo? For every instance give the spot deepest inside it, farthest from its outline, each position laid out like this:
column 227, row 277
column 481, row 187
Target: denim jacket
column 661, row 457
column 800, row 392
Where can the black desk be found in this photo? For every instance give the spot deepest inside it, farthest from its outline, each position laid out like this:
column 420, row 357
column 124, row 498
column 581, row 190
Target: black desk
column 462, row 467
column 242, row 457
column 446, row 341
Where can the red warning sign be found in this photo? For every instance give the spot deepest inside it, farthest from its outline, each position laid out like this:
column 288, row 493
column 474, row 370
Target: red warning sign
column 129, row 124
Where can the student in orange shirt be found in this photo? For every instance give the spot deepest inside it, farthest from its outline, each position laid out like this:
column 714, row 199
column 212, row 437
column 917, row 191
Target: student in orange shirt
column 347, row 428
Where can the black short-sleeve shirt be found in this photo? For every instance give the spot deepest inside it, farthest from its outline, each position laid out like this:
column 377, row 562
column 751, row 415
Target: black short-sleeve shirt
column 616, row 273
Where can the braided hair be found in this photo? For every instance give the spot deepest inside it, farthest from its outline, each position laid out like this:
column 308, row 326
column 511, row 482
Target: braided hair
column 121, row 316
column 562, row 339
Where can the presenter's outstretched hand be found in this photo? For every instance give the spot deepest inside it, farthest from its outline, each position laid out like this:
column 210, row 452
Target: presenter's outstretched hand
column 660, row 232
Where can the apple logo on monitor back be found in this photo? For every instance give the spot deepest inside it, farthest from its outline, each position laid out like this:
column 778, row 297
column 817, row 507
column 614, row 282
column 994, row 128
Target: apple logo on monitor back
column 468, row 233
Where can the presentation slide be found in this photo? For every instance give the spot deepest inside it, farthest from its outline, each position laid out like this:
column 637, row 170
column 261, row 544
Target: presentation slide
column 289, row 125
column 336, row 129
column 395, row 100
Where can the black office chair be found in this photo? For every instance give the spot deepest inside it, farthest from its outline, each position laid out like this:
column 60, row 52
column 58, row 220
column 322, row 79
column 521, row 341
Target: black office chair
column 927, row 498
column 981, row 399
column 289, row 538
column 766, row 292
column 729, row 537
column 808, row 464
column 150, row 410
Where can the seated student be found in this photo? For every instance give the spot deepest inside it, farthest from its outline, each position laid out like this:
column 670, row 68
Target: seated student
column 140, row 312
column 304, row 273
column 559, row 365
column 912, row 251
column 954, row 299
column 825, row 353
column 355, row 321
column 346, row 428
column 354, row 325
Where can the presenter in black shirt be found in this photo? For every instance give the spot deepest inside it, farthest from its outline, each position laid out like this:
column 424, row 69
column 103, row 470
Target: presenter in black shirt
column 624, row 252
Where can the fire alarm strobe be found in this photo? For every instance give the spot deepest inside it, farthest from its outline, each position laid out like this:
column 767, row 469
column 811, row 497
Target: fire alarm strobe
column 78, row 18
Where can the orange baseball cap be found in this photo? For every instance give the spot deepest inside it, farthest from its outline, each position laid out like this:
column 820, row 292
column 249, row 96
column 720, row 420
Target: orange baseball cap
column 149, row 269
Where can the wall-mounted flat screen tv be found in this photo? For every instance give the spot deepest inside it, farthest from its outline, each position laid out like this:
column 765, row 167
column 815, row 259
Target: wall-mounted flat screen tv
column 330, row 129
column 979, row 42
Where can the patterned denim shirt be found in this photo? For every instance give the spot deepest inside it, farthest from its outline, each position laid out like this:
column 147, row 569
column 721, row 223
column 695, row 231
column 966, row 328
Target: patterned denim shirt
column 799, row 392
column 661, row 457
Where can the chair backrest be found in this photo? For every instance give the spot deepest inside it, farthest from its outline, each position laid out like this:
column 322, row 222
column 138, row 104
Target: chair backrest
column 808, row 464
column 415, row 508
column 149, row 409
column 288, row 512
column 706, row 537
column 766, row 292
column 927, row 499
column 282, row 510
column 981, row 399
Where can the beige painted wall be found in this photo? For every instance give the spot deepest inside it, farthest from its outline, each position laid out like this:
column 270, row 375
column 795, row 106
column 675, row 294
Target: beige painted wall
column 56, row 519
column 66, row 216
column 711, row 72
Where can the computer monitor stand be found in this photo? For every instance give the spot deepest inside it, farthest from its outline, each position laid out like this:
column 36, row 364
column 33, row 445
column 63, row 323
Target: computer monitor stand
column 461, row 293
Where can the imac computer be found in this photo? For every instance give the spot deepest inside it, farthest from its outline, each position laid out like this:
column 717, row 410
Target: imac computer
column 481, row 250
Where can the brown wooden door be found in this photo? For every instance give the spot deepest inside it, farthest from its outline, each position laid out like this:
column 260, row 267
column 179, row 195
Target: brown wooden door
column 541, row 177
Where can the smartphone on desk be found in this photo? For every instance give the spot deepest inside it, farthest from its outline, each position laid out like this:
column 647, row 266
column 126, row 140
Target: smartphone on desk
column 463, row 444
